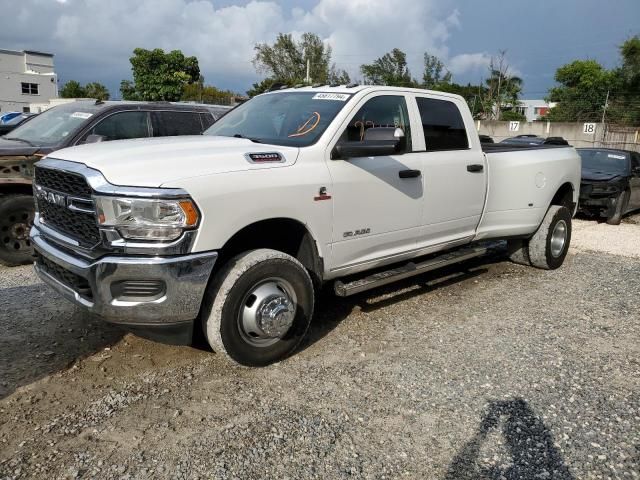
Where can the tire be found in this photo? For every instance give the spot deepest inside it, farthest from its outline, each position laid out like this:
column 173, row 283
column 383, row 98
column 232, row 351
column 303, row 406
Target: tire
column 622, row 202
column 265, row 280
column 16, row 218
column 549, row 245
column 518, row 251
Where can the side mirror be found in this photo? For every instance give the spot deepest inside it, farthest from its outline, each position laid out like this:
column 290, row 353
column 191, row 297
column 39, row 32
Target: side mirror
column 93, row 138
column 377, row 141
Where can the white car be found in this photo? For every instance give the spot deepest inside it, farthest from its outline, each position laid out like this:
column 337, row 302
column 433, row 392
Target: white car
column 235, row 232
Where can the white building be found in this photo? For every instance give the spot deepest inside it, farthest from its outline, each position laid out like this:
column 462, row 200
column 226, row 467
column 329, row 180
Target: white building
column 533, row 109
column 26, row 77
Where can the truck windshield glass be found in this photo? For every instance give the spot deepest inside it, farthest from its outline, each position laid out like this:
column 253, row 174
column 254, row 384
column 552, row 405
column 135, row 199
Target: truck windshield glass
column 54, row 125
column 605, row 161
column 288, row 118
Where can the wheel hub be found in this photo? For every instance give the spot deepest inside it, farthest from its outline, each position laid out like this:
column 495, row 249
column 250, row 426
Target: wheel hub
column 20, row 231
column 268, row 312
column 558, row 238
column 276, row 316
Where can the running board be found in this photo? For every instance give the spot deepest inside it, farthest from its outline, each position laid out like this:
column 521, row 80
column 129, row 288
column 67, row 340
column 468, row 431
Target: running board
column 408, row 270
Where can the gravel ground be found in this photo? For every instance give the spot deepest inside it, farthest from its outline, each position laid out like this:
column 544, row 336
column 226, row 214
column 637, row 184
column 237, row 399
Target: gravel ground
column 492, row 371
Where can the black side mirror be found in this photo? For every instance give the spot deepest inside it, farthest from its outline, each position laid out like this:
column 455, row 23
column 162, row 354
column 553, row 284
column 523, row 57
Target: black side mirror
column 377, row 141
column 93, row 138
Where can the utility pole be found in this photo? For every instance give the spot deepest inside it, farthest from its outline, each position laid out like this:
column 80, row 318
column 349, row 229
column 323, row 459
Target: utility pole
column 308, row 79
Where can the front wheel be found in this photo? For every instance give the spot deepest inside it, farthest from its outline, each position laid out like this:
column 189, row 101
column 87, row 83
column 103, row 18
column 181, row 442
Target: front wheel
column 16, row 218
column 258, row 307
column 622, row 202
column 549, row 245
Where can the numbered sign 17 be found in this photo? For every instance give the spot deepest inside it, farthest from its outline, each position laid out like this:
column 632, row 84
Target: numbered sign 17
column 514, row 126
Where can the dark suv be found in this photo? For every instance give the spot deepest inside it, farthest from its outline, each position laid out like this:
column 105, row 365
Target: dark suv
column 73, row 124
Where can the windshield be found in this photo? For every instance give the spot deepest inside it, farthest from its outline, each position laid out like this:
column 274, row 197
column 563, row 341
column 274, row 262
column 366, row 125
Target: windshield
column 605, row 161
column 54, row 125
column 288, row 118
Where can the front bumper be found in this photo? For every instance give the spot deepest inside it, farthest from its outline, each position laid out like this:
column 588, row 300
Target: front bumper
column 95, row 285
column 605, row 206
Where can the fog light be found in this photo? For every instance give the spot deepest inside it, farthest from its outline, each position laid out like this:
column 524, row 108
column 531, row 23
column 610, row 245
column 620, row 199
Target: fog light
column 138, row 290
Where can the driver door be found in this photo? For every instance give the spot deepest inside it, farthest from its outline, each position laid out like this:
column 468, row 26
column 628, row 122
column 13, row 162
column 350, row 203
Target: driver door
column 377, row 200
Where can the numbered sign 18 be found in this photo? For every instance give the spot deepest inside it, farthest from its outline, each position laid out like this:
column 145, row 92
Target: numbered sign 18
column 589, row 128
column 514, row 126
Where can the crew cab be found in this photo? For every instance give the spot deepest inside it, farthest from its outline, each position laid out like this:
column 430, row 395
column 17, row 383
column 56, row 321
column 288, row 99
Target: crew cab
column 235, row 232
column 77, row 123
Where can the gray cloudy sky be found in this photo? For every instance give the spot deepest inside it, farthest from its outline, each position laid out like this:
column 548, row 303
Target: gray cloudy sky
column 93, row 39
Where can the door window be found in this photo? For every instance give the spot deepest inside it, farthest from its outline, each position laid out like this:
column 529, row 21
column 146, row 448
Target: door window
column 382, row 111
column 170, row 124
column 442, row 125
column 122, row 126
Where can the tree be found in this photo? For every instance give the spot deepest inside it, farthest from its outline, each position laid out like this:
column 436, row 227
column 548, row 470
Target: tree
column 625, row 101
column 199, row 92
column 503, row 89
column 582, row 92
column 72, row 89
column 435, row 72
column 159, row 76
column 286, row 60
column 390, row 69
column 96, row 90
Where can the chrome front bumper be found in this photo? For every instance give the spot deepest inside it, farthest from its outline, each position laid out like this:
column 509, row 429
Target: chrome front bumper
column 184, row 277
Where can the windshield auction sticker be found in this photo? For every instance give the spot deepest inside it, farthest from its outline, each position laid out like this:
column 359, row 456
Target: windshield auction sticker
column 618, row 157
column 84, row 115
column 340, row 97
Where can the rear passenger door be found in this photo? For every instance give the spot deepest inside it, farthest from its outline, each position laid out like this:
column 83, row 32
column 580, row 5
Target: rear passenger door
column 454, row 171
column 170, row 124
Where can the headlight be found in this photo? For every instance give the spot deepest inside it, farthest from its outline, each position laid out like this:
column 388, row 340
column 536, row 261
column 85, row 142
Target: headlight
column 147, row 219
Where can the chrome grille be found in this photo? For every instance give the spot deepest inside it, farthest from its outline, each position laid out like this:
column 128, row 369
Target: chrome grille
column 81, row 226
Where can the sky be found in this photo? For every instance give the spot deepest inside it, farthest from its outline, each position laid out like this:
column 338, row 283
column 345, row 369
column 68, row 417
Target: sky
column 93, row 39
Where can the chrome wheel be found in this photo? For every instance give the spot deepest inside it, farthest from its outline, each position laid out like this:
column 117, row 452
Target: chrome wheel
column 267, row 312
column 558, row 238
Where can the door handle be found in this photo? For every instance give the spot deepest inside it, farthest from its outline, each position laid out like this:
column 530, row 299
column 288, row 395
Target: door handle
column 409, row 173
column 476, row 167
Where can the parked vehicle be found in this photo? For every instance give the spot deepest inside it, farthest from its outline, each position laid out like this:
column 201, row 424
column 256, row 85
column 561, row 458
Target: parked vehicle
column 610, row 185
column 5, row 117
column 486, row 139
column 234, row 232
column 15, row 122
column 74, row 124
column 534, row 140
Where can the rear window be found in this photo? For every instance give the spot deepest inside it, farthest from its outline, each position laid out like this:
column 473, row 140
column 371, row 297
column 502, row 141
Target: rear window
column 442, row 125
column 170, row 124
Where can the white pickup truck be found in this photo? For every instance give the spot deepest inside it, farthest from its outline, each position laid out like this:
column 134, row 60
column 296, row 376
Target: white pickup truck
column 234, row 232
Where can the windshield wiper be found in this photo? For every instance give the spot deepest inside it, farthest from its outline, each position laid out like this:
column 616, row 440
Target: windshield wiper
column 20, row 140
column 254, row 140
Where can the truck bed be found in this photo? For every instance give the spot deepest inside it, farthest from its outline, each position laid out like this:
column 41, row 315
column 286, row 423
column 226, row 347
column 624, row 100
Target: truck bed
column 506, row 147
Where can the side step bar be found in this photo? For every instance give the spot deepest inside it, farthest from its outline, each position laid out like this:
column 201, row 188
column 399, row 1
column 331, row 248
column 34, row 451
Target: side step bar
column 408, row 270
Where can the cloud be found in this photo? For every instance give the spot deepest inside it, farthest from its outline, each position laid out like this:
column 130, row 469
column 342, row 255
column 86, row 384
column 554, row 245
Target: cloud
column 93, row 39
column 469, row 62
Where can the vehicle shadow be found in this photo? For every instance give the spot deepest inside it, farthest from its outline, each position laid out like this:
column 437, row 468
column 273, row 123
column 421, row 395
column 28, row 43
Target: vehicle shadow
column 331, row 309
column 528, row 441
column 41, row 334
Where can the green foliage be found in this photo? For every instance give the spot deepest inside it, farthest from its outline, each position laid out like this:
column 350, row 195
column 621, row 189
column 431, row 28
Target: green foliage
column 159, row 76
column 261, row 87
column 390, row 69
column 435, row 73
column 286, row 60
column 625, row 101
column 473, row 94
column 582, row 92
column 512, row 115
column 73, row 89
column 199, row 92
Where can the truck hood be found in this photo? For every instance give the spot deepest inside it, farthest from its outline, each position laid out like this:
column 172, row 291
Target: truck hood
column 599, row 176
column 159, row 161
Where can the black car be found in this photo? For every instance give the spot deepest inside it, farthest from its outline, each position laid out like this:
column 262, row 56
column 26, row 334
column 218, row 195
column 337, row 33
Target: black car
column 610, row 185
column 74, row 124
column 14, row 122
